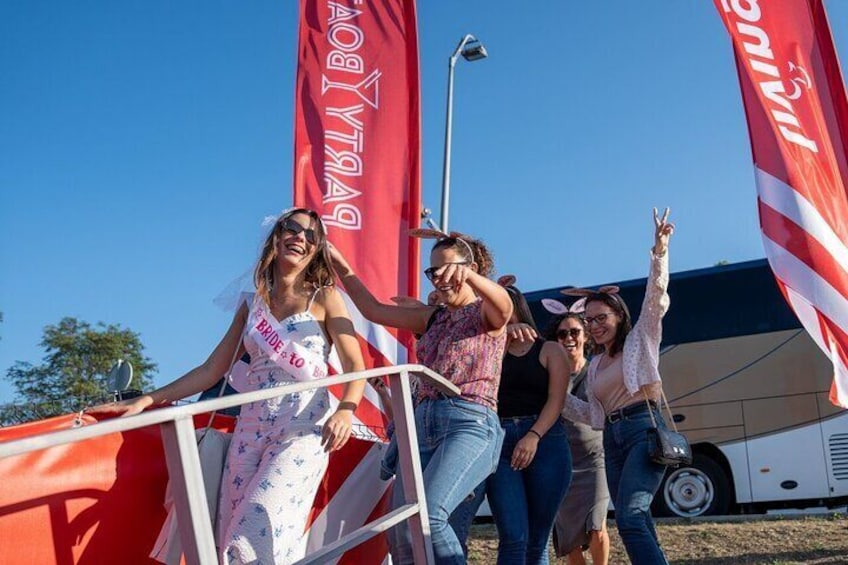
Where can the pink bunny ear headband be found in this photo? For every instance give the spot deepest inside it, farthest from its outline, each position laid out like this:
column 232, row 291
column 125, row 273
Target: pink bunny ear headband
column 427, row 233
column 585, row 292
column 557, row 307
column 609, row 290
column 506, row 280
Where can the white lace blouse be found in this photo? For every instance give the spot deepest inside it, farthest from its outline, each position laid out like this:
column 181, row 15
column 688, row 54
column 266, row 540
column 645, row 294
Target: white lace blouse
column 641, row 351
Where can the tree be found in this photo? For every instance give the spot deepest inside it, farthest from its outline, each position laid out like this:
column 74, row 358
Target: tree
column 72, row 374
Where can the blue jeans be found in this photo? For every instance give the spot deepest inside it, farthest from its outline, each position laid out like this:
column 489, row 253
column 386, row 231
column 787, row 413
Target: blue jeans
column 633, row 480
column 525, row 502
column 458, row 442
column 462, row 518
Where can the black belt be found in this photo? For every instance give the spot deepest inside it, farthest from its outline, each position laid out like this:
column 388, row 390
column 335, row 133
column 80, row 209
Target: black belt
column 627, row 411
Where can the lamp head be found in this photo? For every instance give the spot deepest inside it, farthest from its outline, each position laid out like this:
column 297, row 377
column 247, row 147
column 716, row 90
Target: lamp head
column 474, row 50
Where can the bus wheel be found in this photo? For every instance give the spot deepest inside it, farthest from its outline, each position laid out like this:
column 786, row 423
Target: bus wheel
column 701, row 489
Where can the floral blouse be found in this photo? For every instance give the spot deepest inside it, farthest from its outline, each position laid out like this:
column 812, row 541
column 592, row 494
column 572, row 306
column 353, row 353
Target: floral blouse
column 458, row 347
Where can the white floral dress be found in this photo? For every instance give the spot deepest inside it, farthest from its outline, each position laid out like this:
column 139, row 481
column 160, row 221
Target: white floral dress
column 275, row 462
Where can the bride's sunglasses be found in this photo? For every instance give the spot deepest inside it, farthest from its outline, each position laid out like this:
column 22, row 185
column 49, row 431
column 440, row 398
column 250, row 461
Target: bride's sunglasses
column 292, row 226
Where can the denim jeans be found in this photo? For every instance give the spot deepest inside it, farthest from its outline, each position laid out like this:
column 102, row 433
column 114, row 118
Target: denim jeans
column 633, row 480
column 524, row 503
column 462, row 518
column 458, row 442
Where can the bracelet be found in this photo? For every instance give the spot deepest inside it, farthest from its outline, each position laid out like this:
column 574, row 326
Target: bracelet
column 532, row 431
column 347, row 405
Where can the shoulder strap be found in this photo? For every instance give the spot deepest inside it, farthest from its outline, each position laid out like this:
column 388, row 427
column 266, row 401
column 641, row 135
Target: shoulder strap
column 581, row 376
column 312, row 298
column 667, row 408
column 226, row 378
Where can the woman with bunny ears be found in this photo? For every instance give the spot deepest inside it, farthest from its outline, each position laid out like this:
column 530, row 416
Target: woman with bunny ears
column 582, row 517
column 463, row 339
column 534, row 469
column 623, row 388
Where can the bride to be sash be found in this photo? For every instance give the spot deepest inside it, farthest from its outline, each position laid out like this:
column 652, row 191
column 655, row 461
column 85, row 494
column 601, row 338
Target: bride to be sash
column 282, row 346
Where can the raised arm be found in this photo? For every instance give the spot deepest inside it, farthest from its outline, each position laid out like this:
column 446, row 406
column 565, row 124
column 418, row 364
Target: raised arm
column 337, row 429
column 409, row 317
column 497, row 306
column 656, row 301
column 197, row 380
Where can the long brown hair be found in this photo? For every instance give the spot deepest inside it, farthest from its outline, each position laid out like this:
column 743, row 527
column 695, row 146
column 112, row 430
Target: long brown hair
column 520, row 307
column 319, row 272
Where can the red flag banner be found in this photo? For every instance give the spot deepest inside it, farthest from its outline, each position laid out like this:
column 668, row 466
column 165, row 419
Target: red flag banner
column 797, row 115
column 357, row 161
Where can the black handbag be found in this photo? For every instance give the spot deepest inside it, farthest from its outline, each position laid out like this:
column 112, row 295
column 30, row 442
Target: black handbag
column 665, row 446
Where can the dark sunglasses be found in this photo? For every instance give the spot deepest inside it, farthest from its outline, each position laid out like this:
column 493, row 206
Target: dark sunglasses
column 430, row 272
column 573, row 332
column 290, row 225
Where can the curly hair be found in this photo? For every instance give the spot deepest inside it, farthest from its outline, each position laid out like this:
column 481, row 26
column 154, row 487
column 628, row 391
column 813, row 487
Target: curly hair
column 466, row 246
column 319, row 272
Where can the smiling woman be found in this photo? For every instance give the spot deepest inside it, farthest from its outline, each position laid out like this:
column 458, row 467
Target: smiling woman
column 622, row 388
column 288, row 329
column 582, row 516
column 463, row 339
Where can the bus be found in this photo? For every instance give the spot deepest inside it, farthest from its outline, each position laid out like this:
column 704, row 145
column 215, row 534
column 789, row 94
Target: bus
column 749, row 388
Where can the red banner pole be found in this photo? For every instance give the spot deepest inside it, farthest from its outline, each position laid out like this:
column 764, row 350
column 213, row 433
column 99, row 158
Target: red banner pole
column 357, row 162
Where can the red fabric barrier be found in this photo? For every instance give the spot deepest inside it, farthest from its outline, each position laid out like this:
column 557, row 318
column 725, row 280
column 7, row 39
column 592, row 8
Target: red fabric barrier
column 97, row 501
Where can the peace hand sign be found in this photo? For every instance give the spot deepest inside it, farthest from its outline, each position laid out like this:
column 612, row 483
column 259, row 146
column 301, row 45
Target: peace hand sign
column 663, row 232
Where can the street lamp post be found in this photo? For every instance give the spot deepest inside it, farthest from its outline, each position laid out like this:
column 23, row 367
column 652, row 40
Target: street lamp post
column 471, row 50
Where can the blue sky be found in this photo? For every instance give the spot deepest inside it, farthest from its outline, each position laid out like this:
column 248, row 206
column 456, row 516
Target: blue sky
column 142, row 143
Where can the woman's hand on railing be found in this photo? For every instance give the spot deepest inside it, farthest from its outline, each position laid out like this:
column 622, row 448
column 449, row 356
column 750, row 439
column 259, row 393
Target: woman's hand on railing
column 128, row 407
column 337, row 428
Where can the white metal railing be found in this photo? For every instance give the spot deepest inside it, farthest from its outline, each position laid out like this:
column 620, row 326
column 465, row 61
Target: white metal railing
column 181, row 453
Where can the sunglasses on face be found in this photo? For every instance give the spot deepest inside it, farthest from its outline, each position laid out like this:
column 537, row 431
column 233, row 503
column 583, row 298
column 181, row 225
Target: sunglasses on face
column 430, row 272
column 293, row 227
column 599, row 319
column 564, row 334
